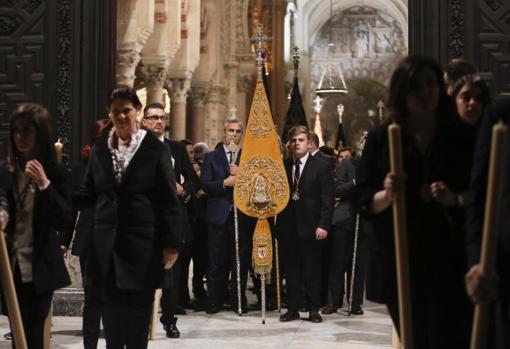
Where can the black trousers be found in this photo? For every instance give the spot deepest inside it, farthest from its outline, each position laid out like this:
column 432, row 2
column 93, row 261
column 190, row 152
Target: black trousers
column 126, row 317
column 303, row 264
column 340, row 252
column 222, row 258
column 92, row 309
column 199, row 256
column 171, row 292
column 34, row 308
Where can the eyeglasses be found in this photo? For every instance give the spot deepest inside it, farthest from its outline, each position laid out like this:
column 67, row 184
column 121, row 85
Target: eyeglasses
column 155, row 117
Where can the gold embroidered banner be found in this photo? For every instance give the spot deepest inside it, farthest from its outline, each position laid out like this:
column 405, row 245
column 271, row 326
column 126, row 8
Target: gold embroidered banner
column 261, row 188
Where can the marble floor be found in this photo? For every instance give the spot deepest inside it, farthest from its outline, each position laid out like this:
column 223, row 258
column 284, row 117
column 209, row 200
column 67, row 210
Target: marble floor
column 227, row 330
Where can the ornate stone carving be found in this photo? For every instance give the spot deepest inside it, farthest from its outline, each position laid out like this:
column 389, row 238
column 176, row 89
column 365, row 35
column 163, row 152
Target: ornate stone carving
column 154, row 75
column 179, row 90
column 198, row 94
column 128, row 58
column 456, row 29
column 63, row 90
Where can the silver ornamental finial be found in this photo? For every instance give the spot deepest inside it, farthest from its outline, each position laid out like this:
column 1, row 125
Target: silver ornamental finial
column 258, row 39
column 295, row 58
column 340, row 110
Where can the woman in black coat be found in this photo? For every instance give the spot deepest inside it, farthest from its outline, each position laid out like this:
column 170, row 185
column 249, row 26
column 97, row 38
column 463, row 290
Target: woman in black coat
column 130, row 182
column 38, row 190
column 418, row 102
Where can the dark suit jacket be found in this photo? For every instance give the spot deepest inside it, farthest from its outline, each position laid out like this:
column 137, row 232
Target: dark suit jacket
column 183, row 166
column 475, row 201
column 219, row 199
column 133, row 220
column 187, row 177
column 328, row 159
column 52, row 213
column 344, row 190
column 315, row 207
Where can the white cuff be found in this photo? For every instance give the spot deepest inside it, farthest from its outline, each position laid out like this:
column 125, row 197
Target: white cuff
column 45, row 186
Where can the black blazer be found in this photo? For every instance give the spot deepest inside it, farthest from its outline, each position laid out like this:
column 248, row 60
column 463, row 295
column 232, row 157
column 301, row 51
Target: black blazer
column 134, row 220
column 183, row 166
column 344, row 190
column 187, row 177
column 52, row 213
column 315, row 207
column 475, row 201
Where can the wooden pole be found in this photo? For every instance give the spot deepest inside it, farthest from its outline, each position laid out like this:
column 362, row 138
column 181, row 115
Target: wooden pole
column 489, row 242
column 401, row 246
column 278, row 286
column 154, row 317
column 47, row 328
column 11, row 298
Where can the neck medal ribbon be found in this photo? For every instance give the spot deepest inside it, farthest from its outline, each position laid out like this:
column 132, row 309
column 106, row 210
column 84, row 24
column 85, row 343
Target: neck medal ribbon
column 261, row 189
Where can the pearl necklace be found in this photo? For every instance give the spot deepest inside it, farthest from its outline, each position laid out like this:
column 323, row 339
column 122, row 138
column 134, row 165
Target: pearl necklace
column 121, row 158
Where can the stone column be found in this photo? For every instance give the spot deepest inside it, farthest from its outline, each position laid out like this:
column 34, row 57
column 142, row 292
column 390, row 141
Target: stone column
column 195, row 130
column 178, row 95
column 155, row 77
column 215, row 110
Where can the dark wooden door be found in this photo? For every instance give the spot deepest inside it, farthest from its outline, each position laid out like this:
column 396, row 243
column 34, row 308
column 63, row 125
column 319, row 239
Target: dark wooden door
column 478, row 30
column 60, row 53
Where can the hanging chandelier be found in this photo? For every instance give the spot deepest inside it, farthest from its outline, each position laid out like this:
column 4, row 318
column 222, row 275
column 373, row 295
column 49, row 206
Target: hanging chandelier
column 332, row 80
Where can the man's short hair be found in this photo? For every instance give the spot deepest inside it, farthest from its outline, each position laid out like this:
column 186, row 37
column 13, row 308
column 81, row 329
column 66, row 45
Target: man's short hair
column 153, row 105
column 312, row 136
column 327, row 150
column 232, row 121
column 457, row 68
column 294, row 131
column 349, row 149
column 186, row 142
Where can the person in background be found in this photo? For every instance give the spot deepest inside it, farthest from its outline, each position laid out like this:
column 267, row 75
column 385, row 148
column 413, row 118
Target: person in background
column 493, row 288
column 454, row 70
column 304, row 224
column 82, row 243
column 176, row 291
column 218, row 177
column 38, row 192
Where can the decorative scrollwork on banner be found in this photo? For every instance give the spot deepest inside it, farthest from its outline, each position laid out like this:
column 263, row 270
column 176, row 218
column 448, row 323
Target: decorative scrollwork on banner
column 260, row 127
column 261, row 185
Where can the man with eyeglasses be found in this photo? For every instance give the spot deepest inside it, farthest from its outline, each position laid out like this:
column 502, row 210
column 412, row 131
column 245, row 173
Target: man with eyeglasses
column 187, row 183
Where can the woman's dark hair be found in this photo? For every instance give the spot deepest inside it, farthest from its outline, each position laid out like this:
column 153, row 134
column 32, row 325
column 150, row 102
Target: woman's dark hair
column 475, row 80
column 126, row 93
column 98, row 129
column 403, row 82
column 37, row 116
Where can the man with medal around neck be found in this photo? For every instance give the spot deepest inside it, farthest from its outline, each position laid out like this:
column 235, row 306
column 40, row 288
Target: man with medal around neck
column 304, row 224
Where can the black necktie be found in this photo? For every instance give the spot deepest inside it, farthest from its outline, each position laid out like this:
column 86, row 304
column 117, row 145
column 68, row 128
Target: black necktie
column 297, row 170
column 230, row 157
